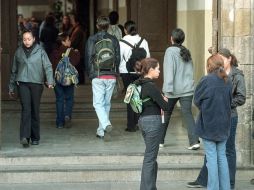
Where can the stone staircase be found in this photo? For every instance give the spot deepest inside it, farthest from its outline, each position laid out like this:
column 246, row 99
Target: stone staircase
column 84, row 161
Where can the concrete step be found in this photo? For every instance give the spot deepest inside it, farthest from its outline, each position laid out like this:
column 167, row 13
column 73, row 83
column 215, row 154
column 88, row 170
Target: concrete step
column 101, row 173
column 93, row 159
column 85, row 168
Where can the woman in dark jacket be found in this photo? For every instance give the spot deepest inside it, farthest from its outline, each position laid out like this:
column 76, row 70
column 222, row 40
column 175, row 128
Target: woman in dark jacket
column 64, row 94
column 213, row 98
column 238, row 99
column 30, row 65
column 150, row 120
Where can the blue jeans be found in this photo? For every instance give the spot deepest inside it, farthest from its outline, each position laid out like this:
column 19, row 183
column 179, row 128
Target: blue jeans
column 231, row 157
column 217, row 165
column 102, row 93
column 186, row 106
column 151, row 127
column 64, row 102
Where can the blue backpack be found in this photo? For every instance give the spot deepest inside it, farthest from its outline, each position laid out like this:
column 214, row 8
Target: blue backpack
column 65, row 73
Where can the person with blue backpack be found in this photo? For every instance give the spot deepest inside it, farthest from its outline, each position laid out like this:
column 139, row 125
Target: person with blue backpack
column 102, row 58
column 64, row 89
column 150, row 121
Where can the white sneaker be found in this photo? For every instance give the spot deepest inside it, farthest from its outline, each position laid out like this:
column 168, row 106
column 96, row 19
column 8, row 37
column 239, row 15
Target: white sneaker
column 194, row 147
column 161, row 145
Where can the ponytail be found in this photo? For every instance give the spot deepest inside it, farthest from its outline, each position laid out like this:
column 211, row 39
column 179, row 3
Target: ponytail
column 178, row 37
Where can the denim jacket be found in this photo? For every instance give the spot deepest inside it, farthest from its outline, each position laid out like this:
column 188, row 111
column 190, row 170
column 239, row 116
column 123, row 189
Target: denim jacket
column 213, row 98
column 89, row 54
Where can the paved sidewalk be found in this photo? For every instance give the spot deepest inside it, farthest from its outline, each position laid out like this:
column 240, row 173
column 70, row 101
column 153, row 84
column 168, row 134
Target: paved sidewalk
column 176, row 185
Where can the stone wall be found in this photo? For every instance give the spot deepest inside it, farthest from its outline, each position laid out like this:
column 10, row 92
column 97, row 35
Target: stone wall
column 237, row 35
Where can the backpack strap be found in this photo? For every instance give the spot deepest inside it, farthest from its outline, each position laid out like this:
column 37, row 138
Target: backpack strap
column 127, row 43
column 67, row 52
column 140, row 41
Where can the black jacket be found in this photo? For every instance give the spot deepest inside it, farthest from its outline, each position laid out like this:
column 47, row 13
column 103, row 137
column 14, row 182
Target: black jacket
column 156, row 102
column 238, row 90
column 89, row 54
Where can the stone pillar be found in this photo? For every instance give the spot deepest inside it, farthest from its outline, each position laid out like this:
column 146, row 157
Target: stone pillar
column 9, row 36
column 237, row 34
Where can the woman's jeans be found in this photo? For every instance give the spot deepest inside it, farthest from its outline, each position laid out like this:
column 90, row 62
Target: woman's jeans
column 217, row 165
column 30, row 98
column 186, row 109
column 231, row 157
column 64, row 102
column 151, row 127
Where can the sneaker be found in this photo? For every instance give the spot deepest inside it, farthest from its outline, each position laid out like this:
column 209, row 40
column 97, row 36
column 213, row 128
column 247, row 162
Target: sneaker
column 194, row 147
column 194, row 184
column 59, row 126
column 67, row 122
column 100, row 137
column 107, row 135
column 24, row 142
column 109, row 128
column 161, row 145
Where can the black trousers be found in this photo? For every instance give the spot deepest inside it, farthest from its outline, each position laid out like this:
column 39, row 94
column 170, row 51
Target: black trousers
column 30, row 97
column 132, row 117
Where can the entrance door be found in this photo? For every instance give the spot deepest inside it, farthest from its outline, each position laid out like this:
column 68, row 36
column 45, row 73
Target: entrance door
column 155, row 21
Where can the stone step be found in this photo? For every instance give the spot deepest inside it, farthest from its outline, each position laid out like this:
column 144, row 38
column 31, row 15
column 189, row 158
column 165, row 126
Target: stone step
column 100, row 173
column 94, row 159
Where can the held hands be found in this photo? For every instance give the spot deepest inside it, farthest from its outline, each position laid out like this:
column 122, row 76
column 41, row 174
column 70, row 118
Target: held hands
column 11, row 95
column 50, row 86
column 165, row 98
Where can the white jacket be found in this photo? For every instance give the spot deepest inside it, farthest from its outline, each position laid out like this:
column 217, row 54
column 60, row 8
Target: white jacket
column 125, row 50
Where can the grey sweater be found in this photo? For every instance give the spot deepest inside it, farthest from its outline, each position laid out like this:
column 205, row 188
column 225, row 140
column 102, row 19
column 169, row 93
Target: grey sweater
column 178, row 75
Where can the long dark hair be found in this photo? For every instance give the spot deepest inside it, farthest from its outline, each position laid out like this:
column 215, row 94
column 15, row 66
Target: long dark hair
column 215, row 64
column 178, row 37
column 226, row 53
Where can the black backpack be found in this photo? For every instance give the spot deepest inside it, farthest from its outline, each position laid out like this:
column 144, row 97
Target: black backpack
column 138, row 53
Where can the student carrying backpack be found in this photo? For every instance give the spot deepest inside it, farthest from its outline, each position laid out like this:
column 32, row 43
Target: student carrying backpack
column 128, row 66
column 102, row 58
column 137, row 54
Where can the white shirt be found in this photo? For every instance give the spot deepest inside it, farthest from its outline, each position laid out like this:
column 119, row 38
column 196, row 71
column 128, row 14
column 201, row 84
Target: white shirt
column 125, row 50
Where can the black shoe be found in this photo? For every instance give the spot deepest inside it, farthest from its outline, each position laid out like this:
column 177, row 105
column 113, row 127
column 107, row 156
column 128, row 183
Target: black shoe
column 130, row 130
column 35, row 143
column 194, row 184
column 24, row 142
column 100, row 137
column 252, row 181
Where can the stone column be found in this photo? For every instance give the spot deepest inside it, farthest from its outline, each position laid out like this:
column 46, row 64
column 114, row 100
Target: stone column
column 237, row 34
